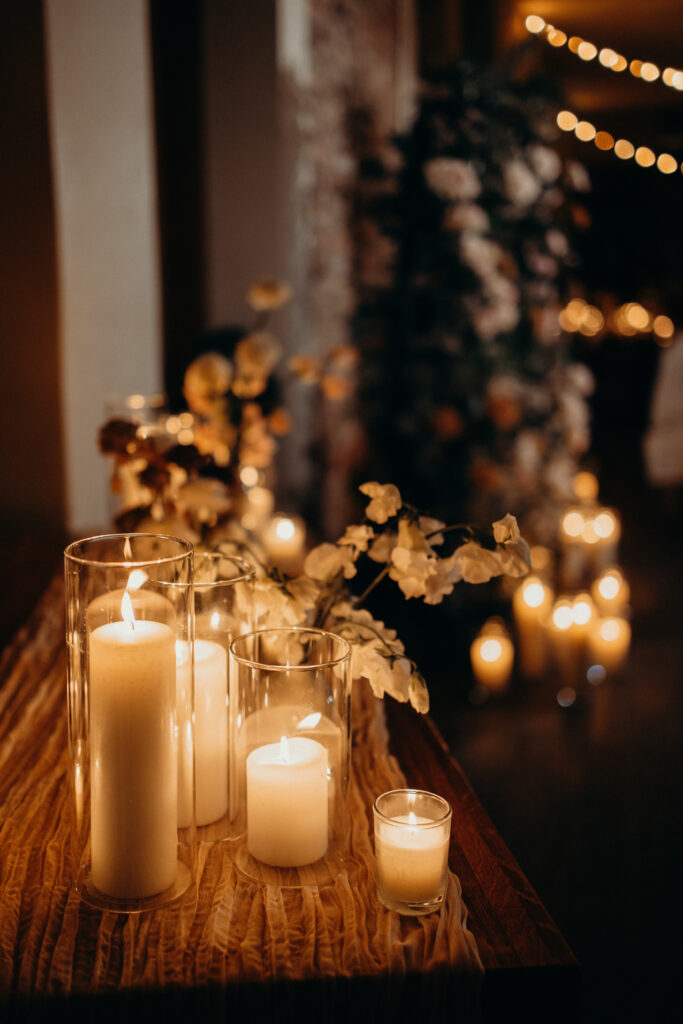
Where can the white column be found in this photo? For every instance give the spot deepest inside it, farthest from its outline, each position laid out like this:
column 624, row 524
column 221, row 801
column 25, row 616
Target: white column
column 102, row 143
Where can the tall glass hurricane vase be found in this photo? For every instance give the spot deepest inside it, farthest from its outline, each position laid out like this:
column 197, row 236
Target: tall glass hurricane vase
column 128, row 619
column 292, row 753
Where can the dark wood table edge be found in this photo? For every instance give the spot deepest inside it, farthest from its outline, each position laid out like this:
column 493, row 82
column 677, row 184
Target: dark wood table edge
column 529, row 965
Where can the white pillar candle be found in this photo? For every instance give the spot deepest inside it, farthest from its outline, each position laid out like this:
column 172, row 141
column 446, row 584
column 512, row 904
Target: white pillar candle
column 210, row 732
column 492, row 658
column 287, row 802
column 134, row 752
column 608, row 643
column 562, row 642
column 284, row 539
column 411, row 861
column 531, row 606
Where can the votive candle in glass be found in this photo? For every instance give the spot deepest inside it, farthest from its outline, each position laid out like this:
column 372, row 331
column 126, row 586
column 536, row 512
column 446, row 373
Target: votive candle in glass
column 412, row 834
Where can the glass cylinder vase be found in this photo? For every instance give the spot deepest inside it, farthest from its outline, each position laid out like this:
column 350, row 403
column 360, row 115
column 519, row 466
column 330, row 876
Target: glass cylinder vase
column 292, row 753
column 223, row 609
column 128, row 613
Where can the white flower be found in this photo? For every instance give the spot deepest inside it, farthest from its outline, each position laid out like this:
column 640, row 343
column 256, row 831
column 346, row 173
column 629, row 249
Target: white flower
column 577, row 176
column 444, row 574
column 207, row 379
column 481, row 254
column 466, row 217
column 521, row 185
column 477, row 564
column 376, row 653
column 452, row 179
column 326, row 560
column 206, row 497
column 410, row 570
column 358, row 537
column 382, row 546
column 506, row 530
column 386, row 500
column 274, row 606
column 431, row 529
column 545, row 162
column 257, row 354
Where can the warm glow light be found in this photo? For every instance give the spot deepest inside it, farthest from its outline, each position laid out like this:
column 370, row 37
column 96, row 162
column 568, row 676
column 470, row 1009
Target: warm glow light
column 624, row 149
column 127, row 613
column 644, row 156
column 582, row 610
column 604, row 141
column 186, row 419
column 173, row 424
column 649, row 71
column 677, row 80
column 534, row 24
column 557, row 38
column 285, row 529
column 185, row 436
column 637, row 316
column 563, row 615
column 592, row 321
column 533, row 593
column 635, row 68
column 215, row 620
column 310, row 721
column 284, row 750
column 585, row 131
column 249, row 476
column 566, row 120
column 587, row 51
column 668, row 76
column 621, row 64
column 604, row 524
column 574, row 43
column 609, row 586
column 573, row 523
column 412, row 818
column 663, row 326
column 610, row 630
column 136, row 401
column 608, row 58
column 491, row 650
column 666, row 163
column 585, row 485
column 589, row 534
column 136, row 579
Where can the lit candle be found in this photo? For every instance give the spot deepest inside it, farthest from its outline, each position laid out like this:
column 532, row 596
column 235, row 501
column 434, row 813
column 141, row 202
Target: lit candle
column 491, row 658
column 562, row 642
column 411, row 861
column 134, row 754
column 611, row 592
column 607, row 529
column 412, row 831
column 284, row 539
column 574, row 529
column 531, row 605
column 608, row 643
column 585, row 485
column 287, row 802
column 210, row 732
column 583, row 614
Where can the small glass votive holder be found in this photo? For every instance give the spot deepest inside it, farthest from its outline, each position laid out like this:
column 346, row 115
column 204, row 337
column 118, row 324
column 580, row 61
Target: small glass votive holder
column 128, row 609
column 292, row 753
column 223, row 592
column 412, row 834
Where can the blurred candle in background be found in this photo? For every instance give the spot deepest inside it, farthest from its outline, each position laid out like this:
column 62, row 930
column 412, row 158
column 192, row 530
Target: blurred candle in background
column 492, row 655
column 611, row 592
column 531, row 606
column 609, row 641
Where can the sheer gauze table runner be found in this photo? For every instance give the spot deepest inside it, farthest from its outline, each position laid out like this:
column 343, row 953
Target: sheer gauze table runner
column 234, row 933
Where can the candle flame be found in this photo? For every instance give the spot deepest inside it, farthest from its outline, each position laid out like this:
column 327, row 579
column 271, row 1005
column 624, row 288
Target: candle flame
column 127, row 550
column 563, row 615
column 573, row 523
column 310, row 721
column 610, row 630
column 284, row 750
column 136, row 579
column 533, row 593
column 285, row 529
column 412, row 820
column 605, row 524
column 491, row 650
column 127, row 613
column 215, row 620
column 609, row 586
column 583, row 610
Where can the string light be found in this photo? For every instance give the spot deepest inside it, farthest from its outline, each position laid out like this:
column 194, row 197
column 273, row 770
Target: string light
column 627, row 320
column 646, row 71
column 567, row 121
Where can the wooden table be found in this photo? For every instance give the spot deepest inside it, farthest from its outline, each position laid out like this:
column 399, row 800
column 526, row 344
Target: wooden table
column 206, row 961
